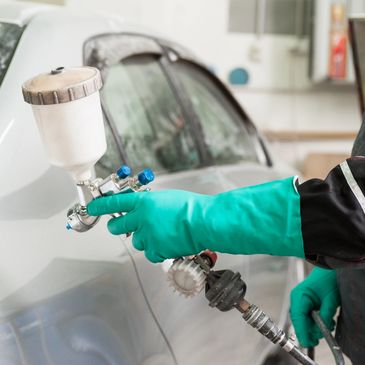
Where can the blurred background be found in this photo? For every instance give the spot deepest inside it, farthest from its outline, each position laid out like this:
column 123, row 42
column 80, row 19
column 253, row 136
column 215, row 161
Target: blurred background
column 277, row 56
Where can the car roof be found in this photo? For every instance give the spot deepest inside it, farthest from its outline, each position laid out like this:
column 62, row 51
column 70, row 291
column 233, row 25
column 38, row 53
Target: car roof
column 24, row 14
column 21, row 12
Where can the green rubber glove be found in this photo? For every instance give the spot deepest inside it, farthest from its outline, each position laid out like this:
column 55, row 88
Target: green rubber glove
column 317, row 292
column 262, row 219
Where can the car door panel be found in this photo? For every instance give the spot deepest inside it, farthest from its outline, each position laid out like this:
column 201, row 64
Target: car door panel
column 56, row 284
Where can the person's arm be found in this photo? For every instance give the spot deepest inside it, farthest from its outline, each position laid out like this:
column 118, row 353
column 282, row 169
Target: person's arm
column 333, row 216
column 322, row 220
column 173, row 223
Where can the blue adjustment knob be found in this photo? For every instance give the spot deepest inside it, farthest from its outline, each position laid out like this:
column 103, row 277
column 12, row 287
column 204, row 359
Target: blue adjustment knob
column 124, row 171
column 68, row 226
column 146, row 176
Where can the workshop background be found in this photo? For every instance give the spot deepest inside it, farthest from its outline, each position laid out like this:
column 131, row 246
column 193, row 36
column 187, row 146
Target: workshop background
column 276, row 57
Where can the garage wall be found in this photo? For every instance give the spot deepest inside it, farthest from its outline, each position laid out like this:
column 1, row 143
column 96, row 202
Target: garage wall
column 277, row 65
column 203, row 27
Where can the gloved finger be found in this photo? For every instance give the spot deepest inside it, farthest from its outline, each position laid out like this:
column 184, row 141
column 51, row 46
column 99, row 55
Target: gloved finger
column 328, row 310
column 124, row 224
column 153, row 256
column 113, row 204
column 137, row 242
column 300, row 313
column 304, row 326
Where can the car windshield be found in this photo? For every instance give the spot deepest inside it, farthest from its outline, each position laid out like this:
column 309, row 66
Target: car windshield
column 9, row 38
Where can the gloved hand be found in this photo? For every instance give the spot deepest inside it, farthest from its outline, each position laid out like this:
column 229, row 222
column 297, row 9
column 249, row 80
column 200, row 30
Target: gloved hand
column 172, row 223
column 317, row 292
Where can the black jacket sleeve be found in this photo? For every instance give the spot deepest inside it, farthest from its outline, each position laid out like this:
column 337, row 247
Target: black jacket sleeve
column 333, row 216
column 332, row 211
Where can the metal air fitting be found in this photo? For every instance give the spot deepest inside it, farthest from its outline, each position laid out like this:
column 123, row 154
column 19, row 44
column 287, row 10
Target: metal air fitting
column 78, row 220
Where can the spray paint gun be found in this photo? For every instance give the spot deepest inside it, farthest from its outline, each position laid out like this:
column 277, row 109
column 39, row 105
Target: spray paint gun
column 66, row 106
column 118, row 182
column 225, row 290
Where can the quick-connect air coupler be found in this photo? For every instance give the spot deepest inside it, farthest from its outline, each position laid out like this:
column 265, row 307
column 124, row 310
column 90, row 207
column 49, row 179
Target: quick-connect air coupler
column 226, row 290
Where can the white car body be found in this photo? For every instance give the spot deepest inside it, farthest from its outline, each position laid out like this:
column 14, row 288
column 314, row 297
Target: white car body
column 42, row 263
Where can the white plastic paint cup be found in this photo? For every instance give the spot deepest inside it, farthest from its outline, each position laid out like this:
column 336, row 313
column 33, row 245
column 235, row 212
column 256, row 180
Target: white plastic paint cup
column 66, row 106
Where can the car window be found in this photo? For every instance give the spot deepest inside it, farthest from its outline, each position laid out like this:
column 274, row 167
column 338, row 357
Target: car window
column 9, row 38
column 224, row 130
column 147, row 116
